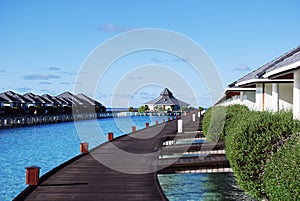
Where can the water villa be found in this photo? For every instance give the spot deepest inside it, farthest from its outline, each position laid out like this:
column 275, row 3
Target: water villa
column 12, row 103
column 274, row 86
column 166, row 101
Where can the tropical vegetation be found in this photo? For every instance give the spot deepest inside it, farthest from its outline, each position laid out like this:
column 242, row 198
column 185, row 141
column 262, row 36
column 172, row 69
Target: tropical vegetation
column 263, row 149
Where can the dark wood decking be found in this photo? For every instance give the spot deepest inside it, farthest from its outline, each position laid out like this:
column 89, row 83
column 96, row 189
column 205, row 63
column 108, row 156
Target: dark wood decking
column 128, row 167
column 88, row 179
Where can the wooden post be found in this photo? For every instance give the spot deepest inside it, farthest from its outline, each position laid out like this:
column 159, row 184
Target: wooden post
column 84, row 147
column 133, row 129
column 180, row 126
column 32, row 175
column 110, row 136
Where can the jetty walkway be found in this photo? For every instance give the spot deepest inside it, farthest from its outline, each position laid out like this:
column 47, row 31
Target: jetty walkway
column 128, row 166
column 32, row 120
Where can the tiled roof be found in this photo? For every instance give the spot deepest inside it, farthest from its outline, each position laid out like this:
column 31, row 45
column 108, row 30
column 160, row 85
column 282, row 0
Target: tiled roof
column 19, row 97
column 63, row 101
column 9, row 98
column 291, row 57
column 166, row 98
column 32, row 98
column 88, row 99
column 51, row 99
column 167, row 92
column 64, row 98
column 72, row 98
column 285, row 59
column 2, row 100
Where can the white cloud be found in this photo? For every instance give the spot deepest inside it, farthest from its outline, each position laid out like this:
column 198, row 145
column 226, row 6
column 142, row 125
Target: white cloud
column 109, row 27
column 242, row 68
column 40, row 77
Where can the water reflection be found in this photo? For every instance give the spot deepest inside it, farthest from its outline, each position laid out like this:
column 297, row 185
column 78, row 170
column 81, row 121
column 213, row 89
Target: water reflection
column 204, row 187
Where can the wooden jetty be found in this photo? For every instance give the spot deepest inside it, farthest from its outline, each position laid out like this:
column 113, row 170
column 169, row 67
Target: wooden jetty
column 132, row 176
column 31, row 120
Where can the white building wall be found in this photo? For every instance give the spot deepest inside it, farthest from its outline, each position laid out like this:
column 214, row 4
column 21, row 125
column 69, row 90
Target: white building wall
column 249, row 99
column 285, row 96
column 151, row 107
column 275, row 97
column 268, row 105
column 258, row 97
column 296, row 95
column 246, row 98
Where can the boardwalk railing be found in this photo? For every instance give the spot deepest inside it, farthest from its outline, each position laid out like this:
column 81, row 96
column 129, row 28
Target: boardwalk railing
column 29, row 120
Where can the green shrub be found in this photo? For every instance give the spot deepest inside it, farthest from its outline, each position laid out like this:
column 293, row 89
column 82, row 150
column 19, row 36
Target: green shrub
column 250, row 143
column 282, row 174
column 143, row 109
column 233, row 113
column 218, row 120
column 213, row 123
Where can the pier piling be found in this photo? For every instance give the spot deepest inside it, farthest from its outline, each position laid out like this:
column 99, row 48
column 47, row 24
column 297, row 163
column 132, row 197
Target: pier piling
column 110, row 136
column 84, row 147
column 133, row 129
column 32, row 175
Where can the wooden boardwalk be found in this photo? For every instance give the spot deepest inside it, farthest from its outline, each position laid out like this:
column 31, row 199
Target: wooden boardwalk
column 87, row 179
column 127, row 169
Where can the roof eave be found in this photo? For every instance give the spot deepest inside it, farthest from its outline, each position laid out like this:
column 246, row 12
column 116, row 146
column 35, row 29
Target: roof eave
column 239, row 89
column 284, row 69
column 265, row 80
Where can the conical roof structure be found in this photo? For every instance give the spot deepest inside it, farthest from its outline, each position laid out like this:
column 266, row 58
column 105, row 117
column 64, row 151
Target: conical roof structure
column 166, row 98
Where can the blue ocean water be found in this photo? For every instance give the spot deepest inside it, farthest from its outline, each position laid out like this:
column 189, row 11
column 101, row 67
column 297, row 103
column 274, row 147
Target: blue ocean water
column 47, row 146
column 202, row 187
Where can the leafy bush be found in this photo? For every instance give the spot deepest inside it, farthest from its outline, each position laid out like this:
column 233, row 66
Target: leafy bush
column 233, row 113
column 213, row 123
column 282, row 174
column 130, row 109
column 218, row 120
column 143, row 109
column 250, row 143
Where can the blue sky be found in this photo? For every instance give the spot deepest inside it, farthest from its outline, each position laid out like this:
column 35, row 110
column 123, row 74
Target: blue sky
column 43, row 44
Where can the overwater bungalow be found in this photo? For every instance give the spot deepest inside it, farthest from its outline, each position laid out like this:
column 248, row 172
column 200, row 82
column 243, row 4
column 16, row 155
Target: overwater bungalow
column 23, row 101
column 9, row 100
column 34, row 101
column 2, row 102
column 98, row 106
column 33, row 104
column 166, row 102
column 274, row 86
column 71, row 98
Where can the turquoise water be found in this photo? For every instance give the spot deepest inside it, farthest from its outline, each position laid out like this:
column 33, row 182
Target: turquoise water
column 47, row 146
column 202, row 187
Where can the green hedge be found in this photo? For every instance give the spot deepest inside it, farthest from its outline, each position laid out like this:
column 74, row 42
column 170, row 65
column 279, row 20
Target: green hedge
column 213, row 123
column 218, row 120
column 250, row 142
column 282, row 175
